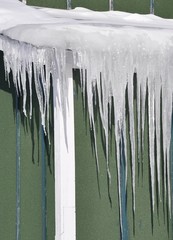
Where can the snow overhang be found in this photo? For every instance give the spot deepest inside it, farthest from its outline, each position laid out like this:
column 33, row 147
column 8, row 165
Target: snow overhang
column 61, row 28
column 107, row 47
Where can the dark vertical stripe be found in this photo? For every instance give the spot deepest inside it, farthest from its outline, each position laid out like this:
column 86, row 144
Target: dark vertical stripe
column 171, row 159
column 43, row 161
column 152, row 6
column 17, row 170
column 123, row 193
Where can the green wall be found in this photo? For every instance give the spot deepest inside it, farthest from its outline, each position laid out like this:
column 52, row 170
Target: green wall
column 26, row 170
column 7, row 160
column 96, row 218
column 163, row 8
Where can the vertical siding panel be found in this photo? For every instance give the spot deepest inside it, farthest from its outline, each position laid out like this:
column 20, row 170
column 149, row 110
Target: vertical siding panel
column 18, row 171
column 7, row 158
column 43, row 164
column 97, row 217
column 50, row 180
column 134, row 6
column 164, row 8
column 102, row 5
column 50, row 197
column 48, row 3
column 31, row 179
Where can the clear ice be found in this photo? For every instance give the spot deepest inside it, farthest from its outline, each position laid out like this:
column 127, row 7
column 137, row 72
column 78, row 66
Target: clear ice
column 107, row 70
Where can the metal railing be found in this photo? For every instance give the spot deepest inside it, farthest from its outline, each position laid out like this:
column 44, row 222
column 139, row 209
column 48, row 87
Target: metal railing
column 111, row 5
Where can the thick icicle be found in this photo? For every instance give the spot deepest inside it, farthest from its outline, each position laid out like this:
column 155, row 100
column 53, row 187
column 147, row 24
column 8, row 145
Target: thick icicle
column 107, row 73
column 68, row 4
column 151, row 120
column 25, row 61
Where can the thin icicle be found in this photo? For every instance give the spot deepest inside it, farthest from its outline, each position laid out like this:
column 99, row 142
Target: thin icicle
column 107, row 74
column 69, row 4
column 132, row 134
column 158, row 125
column 151, row 121
column 27, row 61
column 117, row 133
column 111, row 5
column 139, row 119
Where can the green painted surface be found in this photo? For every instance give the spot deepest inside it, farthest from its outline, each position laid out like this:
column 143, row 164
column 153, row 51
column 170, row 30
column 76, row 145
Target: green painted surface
column 101, row 5
column 48, row 3
column 146, row 225
column 50, row 197
column 163, row 8
column 95, row 218
column 31, row 212
column 7, row 160
column 31, row 170
column 134, row 6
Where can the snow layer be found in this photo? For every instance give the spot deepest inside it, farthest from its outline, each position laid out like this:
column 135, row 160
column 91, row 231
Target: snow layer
column 108, row 48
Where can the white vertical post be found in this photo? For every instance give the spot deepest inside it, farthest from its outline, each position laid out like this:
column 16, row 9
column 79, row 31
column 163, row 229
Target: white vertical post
column 65, row 219
column 151, row 6
column 69, row 4
column 111, row 5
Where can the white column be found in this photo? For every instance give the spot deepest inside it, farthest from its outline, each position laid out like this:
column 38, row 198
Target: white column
column 65, row 218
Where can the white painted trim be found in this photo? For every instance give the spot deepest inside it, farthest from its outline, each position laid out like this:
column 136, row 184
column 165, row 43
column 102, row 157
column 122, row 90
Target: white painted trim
column 65, row 217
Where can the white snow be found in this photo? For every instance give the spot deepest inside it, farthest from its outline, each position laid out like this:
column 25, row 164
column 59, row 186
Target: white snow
column 111, row 47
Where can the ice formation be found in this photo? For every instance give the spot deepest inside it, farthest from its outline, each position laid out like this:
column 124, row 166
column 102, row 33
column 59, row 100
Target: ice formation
column 108, row 48
column 111, row 5
column 68, row 4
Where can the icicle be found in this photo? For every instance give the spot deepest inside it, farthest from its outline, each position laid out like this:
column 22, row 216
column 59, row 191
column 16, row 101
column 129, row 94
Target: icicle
column 132, row 133
column 151, row 120
column 139, row 120
column 158, row 125
column 167, row 87
column 68, row 4
column 111, row 5
column 151, row 6
column 107, row 71
column 119, row 178
column 25, row 61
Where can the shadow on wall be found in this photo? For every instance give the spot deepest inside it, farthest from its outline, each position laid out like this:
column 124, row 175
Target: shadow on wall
column 33, row 125
column 141, row 224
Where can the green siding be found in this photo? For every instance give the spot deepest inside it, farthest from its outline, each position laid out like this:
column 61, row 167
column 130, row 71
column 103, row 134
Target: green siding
column 101, row 5
column 119, row 5
column 31, row 212
column 146, row 225
column 163, row 8
column 96, row 219
column 47, row 3
column 134, row 6
column 7, row 160
column 31, row 195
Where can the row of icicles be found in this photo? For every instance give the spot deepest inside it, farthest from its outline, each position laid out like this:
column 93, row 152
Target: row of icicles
column 110, row 80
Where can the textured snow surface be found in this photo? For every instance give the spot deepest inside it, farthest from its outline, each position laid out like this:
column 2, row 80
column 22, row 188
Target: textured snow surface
column 108, row 48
